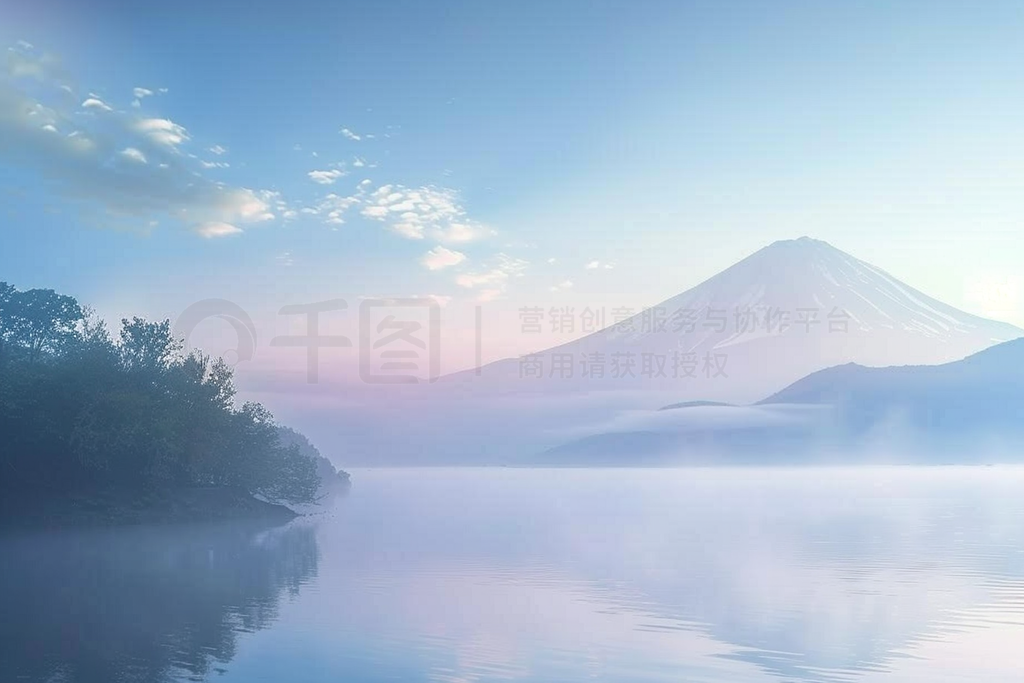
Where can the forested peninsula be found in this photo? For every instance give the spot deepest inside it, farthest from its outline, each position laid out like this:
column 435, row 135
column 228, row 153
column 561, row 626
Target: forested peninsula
column 128, row 427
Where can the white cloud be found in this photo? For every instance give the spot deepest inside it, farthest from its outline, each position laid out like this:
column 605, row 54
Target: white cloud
column 467, row 231
column 214, row 164
column 358, row 162
column 162, row 131
column 334, row 207
column 45, row 68
column 441, row 299
column 440, row 257
column 247, row 205
column 93, row 102
column 552, row 260
column 168, row 187
column 565, row 284
column 217, row 229
column 350, row 135
column 424, row 211
column 504, row 268
column 133, row 154
column 326, row 177
column 142, row 93
column 490, row 277
column 218, row 150
column 593, row 265
column 485, row 295
column 285, row 259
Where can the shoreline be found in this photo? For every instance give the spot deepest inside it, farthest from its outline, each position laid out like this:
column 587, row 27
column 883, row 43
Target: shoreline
column 111, row 508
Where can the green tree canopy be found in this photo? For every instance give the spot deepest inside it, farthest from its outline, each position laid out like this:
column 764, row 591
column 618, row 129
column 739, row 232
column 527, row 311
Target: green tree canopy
column 81, row 410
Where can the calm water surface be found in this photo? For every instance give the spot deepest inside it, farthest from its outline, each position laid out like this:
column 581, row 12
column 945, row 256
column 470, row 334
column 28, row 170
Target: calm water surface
column 547, row 575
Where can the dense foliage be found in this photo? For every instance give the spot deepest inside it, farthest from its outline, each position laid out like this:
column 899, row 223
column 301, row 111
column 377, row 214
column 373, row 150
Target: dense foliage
column 82, row 410
column 331, row 478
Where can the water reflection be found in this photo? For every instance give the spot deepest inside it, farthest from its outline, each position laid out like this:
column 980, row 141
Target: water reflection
column 780, row 575
column 460, row 576
column 143, row 604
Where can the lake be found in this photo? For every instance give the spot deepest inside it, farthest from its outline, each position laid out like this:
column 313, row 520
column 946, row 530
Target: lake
column 461, row 575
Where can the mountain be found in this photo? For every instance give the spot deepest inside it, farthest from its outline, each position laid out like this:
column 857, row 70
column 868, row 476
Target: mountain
column 965, row 411
column 974, row 403
column 794, row 307
column 851, row 312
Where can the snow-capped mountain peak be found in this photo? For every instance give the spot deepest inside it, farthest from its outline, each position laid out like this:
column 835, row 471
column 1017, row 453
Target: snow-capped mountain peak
column 791, row 308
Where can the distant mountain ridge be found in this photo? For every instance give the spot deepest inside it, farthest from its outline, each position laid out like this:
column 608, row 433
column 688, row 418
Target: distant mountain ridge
column 977, row 400
column 966, row 411
column 791, row 308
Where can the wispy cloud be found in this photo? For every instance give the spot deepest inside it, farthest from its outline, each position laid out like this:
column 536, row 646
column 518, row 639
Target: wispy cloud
column 162, row 131
column 129, row 166
column 441, row 299
column 496, row 276
column 140, row 94
column 421, row 212
column 93, row 102
column 216, row 229
column 485, row 295
column 440, row 257
column 350, row 135
column 333, row 208
column 328, row 177
column 133, row 154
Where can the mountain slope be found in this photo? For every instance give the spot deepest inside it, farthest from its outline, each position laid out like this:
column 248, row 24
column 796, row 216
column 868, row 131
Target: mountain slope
column 965, row 411
column 793, row 307
column 979, row 397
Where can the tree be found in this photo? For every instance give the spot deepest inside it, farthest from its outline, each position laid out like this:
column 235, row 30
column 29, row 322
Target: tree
column 36, row 321
column 147, row 347
column 80, row 410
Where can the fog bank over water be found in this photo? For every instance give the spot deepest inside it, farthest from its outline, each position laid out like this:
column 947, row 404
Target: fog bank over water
column 743, row 575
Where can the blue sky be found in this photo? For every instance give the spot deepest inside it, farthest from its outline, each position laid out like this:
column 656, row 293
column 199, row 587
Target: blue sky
column 487, row 153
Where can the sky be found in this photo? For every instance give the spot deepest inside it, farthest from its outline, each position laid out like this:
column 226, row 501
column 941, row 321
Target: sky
column 500, row 155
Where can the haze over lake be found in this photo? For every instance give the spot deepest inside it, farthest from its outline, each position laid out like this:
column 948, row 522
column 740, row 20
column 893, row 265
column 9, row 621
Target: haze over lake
column 814, row 574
